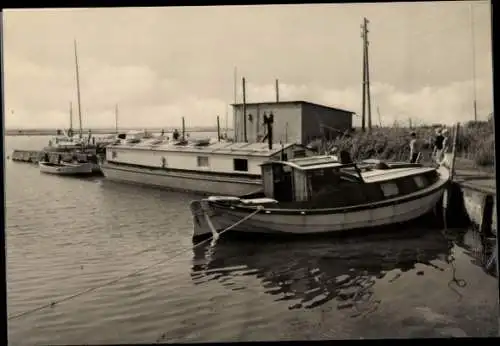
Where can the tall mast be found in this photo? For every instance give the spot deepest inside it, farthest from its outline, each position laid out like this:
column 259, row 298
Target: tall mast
column 71, row 118
column 78, row 92
column 227, row 120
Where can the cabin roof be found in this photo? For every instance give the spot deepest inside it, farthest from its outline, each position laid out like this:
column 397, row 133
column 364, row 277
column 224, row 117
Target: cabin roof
column 377, row 175
column 227, row 148
column 292, row 102
column 310, row 163
column 315, row 160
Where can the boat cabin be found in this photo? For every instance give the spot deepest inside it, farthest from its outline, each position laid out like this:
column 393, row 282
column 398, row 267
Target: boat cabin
column 324, row 182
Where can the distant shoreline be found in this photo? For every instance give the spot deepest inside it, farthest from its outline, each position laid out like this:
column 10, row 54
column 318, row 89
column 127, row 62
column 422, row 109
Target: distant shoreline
column 53, row 132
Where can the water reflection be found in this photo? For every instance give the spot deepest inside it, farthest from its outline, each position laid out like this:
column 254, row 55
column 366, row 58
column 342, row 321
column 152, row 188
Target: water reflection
column 479, row 247
column 309, row 273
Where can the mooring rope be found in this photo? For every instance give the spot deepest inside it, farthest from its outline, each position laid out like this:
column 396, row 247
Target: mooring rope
column 109, row 283
column 454, row 280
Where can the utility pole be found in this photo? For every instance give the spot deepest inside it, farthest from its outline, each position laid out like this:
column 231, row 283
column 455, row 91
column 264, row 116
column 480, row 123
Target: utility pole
column 244, row 92
column 366, row 79
column 368, row 94
column 363, row 111
column 473, row 42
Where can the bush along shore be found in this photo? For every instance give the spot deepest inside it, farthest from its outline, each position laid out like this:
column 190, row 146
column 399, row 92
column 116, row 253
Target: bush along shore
column 476, row 142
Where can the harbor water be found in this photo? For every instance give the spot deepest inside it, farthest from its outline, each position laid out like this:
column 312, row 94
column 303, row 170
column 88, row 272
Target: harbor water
column 67, row 235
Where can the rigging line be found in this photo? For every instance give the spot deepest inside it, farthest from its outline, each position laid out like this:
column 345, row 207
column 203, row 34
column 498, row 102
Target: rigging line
column 109, row 283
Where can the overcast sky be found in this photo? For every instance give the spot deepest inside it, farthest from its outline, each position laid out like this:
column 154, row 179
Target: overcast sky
column 159, row 64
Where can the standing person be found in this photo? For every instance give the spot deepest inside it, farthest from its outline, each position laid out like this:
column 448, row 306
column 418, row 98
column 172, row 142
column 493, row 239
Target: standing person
column 414, row 148
column 441, row 156
column 438, row 146
column 175, row 135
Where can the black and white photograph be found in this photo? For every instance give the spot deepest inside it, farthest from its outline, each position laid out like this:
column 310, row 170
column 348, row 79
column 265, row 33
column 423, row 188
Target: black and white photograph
column 238, row 173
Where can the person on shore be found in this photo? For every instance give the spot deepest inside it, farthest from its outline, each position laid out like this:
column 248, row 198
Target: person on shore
column 175, row 135
column 415, row 148
column 437, row 150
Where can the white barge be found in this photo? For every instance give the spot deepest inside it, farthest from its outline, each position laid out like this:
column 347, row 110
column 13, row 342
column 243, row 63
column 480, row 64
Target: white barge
column 199, row 166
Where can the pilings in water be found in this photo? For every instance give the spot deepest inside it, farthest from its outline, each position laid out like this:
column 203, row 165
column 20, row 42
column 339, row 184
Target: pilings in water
column 470, row 200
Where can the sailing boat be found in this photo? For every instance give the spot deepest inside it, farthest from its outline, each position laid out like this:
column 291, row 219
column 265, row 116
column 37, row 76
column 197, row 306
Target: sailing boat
column 77, row 167
column 64, row 140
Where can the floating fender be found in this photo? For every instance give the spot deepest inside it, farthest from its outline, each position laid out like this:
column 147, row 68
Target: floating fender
column 454, row 213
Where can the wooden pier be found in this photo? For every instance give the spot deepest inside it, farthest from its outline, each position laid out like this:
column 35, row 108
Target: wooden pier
column 35, row 156
column 471, row 200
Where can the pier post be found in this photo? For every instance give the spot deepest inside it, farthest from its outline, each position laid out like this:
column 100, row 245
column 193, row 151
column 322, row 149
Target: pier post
column 218, row 129
column 183, row 129
column 454, row 151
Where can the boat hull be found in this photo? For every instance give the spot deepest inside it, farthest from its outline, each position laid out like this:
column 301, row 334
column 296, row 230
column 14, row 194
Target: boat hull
column 183, row 181
column 66, row 169
column 276, row 221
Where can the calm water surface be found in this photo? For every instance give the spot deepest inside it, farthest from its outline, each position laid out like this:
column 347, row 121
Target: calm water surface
column 66, row 235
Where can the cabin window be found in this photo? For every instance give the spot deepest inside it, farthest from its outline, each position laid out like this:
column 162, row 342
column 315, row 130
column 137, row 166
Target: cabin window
column 240, row 165
column 318, row 173
column 431, row 177
column 202, row 161
column 113, row 154
column 421, row 181
column 406, row 185
column 299, row 153
column 389, row 189
column 324, row 178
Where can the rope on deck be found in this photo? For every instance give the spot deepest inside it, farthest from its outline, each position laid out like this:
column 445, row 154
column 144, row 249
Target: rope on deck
column 214, row 236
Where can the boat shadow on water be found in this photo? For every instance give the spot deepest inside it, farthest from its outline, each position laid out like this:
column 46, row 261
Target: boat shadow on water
column 313, row 271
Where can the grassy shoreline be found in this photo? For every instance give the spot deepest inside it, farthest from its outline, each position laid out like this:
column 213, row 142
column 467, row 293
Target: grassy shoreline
column 476, row 143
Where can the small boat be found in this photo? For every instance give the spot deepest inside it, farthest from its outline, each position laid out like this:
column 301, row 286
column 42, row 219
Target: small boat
column 66, row 168
column 316, row 195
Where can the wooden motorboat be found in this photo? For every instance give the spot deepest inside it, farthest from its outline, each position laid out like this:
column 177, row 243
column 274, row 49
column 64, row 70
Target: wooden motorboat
column 316, row 195
column 64, row 168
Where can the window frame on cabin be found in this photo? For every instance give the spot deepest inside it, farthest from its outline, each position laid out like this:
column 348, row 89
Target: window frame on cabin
column 406, row 185
column 241, row 169
column 424, row 181
column 203, row 158
column 299, row 153
column 389, row 183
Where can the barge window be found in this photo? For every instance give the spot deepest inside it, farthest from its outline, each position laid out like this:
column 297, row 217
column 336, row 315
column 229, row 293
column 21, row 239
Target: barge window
column 113, row 154
column 240, row 165
column 389, row 189
column 202, row 161
column 421, row 181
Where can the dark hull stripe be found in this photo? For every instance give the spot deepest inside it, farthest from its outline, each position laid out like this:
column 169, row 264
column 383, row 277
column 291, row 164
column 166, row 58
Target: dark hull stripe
column 186, row 174
column 275, row 211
